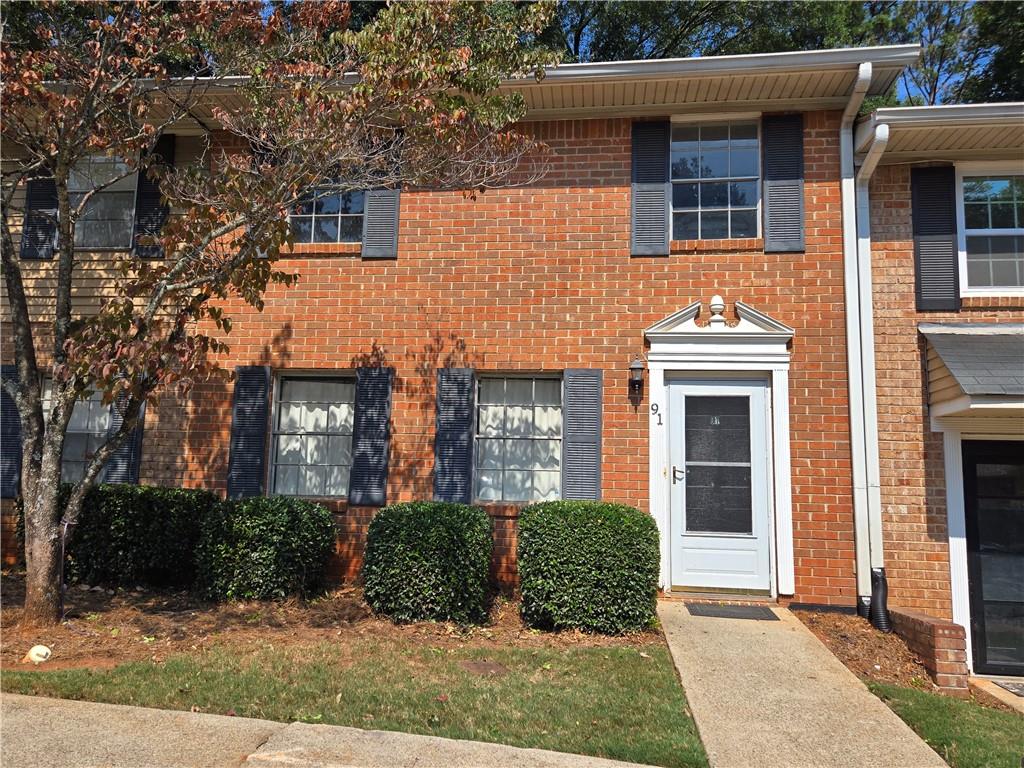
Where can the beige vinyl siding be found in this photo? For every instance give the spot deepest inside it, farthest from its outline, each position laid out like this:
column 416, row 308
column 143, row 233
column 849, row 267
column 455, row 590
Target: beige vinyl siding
column 942, row 387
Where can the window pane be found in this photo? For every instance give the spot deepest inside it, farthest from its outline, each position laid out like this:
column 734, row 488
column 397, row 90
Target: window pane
column 714, row 195
column 1002, row 216
column 339, row 449
column 518, row 486
column 99, row 416
column 302, row 230
column 519, row 391
column 492, row 391
column 718, row 500
column 328, row 205
column 684, row 195
column 976, row 215
column 290, row 416
column 492, row 419
column 325, row 230
column 743, row 162
column 304, row 207
column 311, row 481
column 316, row 449
column 717, row 428
column 744, row 223
column 979, row 274
column 519, row 454
column 714, row 225
column 350, row 229
column 488, row 486
column 547, row 392
column 975, row 189
column 547, row 421
column 685, row 164
column 685, row 133
column 339, row 418
column 489, row 454
column 289, row 449
column 547, row 485
column 79, row 421
column 336, row 481
column 743, row 194
column 684, row 226
column 76, row 447
column 743, row 131
column 714, row 135
column 714, row 164
column 314, row 417
column 352, row 202
column 547, row 454
column 1006, row 273
column 518, row 421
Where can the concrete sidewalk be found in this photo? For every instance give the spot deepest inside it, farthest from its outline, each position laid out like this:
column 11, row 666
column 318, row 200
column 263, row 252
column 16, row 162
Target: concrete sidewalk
column 768, row 693
column 55, row 733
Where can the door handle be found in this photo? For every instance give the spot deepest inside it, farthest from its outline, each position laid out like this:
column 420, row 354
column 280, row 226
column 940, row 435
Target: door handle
column 677, row 474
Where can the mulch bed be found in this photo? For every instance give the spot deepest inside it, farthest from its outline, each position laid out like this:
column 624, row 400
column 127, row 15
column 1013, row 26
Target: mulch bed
column 104, row 628
column 866, row 651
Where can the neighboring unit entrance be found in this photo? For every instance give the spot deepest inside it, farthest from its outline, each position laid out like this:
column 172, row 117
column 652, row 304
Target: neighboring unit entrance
column 721, row 492
column 994, row 516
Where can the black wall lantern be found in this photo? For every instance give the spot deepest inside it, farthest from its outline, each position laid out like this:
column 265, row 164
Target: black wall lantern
column 636, row 380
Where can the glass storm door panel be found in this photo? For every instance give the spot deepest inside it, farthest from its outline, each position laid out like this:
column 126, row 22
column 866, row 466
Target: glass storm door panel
column 720, row 486
column 994, row 511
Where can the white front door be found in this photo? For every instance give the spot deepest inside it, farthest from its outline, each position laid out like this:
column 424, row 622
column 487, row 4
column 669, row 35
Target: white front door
column 720, row 487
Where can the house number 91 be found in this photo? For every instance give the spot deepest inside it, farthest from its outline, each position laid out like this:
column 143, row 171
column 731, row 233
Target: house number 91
column 655, row 411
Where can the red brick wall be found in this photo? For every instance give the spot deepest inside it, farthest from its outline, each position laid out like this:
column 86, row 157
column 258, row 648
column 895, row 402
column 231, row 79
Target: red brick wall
column 540, row 279
column 941, row 645
column 912, row 470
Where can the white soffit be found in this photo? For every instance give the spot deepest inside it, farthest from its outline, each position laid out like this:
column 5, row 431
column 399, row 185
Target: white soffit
column 755, row 82
column 947, row 132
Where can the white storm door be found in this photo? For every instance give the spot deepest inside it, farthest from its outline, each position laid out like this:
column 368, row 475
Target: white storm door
column 720, row 487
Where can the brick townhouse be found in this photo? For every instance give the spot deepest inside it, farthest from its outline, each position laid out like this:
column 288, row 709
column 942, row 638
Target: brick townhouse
column 691, row 312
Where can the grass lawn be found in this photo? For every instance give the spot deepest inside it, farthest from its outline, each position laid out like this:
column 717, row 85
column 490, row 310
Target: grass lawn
column 965, row 734
column 618, row 702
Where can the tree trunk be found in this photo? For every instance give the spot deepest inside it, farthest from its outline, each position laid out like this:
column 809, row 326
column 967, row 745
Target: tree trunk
column 43, row 554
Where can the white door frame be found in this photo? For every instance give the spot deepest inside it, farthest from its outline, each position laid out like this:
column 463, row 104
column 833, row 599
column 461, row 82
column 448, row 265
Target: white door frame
column 754, row 344
column 953, row 435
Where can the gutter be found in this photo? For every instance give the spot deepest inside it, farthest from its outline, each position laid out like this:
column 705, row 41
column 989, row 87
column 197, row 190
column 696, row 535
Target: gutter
column 854, row 353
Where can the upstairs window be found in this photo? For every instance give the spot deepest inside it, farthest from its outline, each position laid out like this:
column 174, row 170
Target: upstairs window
column 518, row 451
column 108, row 217
column 716, row 181
column 329, row 218
column 992, row 245
column 313, row 436
column 87, row 431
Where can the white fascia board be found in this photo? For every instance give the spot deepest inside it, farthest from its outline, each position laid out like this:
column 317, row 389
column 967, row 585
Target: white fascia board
column 885, row 56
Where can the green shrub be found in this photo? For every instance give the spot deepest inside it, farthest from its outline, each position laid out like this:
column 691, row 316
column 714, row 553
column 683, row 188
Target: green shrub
column 587, row 565
column 263, row 547
column 135, row 534
column 429, row 561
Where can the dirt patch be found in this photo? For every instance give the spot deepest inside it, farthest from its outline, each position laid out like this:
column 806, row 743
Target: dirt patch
column 866, row 651
column 104, row 628
column 484, row 668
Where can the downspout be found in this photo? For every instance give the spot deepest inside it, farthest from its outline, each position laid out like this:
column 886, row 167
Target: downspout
column 879, row 612
column 851, row 277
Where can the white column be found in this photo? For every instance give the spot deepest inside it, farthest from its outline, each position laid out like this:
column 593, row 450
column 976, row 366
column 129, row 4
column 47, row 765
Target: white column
column 658, row 461
column 783, row 482
column 956, row 525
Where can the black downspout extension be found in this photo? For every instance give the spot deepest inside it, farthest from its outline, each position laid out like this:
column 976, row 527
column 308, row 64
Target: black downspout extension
column 864, row 606
column 879, row 601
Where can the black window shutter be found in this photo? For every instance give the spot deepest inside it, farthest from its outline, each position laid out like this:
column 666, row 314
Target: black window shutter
column 936, row 250
column 10, row 437
column 371, row 437
column 123, row 464
column 39, row 232
column 783, row 199
column 651, row 198
column 150, row 211
column 248, row 452
column 453, row 436
column 380, row 223
column 581, row 434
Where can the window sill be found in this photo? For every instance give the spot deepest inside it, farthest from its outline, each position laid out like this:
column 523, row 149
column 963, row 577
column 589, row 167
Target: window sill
column 322, row 249
column 742, row 244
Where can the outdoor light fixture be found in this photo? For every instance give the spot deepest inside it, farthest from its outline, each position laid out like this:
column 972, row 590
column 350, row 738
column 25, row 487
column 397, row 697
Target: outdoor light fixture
column 636, row 380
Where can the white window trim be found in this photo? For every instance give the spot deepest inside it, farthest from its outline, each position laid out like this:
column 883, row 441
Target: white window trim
column 712, row 119
column 275, row 405
column 980, row 169
column 131, row 236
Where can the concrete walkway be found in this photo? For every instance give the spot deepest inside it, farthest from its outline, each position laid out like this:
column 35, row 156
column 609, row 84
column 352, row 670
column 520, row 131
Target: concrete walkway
column 55, row 733
column 768, row 693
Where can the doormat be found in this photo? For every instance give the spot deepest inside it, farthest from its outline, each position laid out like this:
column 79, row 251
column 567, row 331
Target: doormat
column 1017, row 689
column 756, row 612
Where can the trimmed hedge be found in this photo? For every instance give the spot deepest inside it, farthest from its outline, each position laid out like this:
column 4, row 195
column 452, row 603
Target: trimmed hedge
column 135, row 534
column 263, row 547
column 429, row 560
column 588, row 565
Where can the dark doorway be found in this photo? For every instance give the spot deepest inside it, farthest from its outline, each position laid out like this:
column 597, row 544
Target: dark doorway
column 994, row 510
